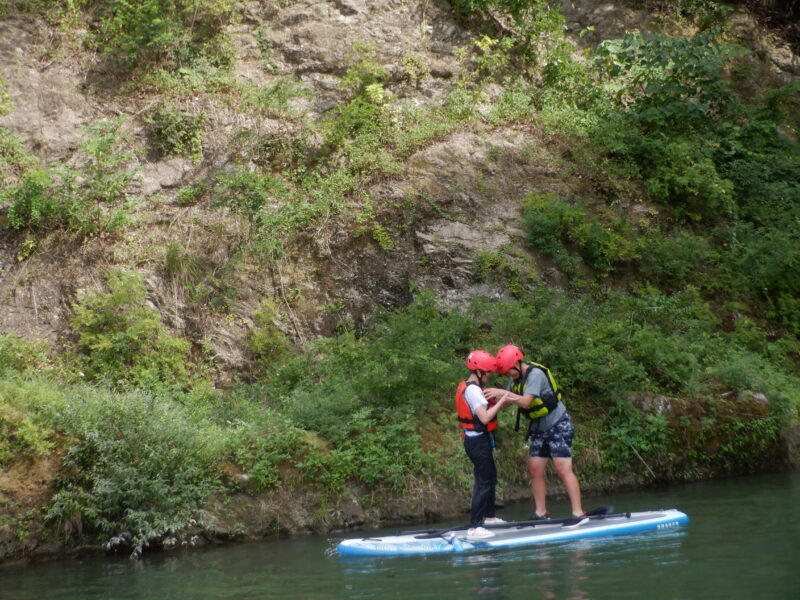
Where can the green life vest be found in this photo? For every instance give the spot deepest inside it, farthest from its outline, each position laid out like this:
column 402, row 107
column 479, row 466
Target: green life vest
column 540, row 406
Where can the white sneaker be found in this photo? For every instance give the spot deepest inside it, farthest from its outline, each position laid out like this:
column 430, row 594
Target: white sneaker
column 493, row 521
column 477, row 533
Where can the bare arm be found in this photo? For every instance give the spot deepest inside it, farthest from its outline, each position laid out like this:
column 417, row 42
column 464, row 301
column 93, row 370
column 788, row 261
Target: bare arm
column 523, row 401
column 487, row 413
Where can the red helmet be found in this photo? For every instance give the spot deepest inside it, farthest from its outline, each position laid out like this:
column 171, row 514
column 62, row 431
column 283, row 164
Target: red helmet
column 481, row 360
column 507, row 357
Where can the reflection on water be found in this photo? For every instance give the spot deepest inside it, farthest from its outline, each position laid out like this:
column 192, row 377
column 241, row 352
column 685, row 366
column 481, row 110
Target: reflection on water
column 566, row 570
column 725, row 552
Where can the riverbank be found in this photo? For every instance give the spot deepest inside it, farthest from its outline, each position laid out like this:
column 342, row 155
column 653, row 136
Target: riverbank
column 244, row 515
column 722, row 553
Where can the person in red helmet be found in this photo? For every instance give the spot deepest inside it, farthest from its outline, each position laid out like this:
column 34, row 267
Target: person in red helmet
column 478, row 419
column 533, row 389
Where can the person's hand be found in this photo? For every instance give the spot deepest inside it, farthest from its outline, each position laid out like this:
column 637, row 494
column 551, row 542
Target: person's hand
column 493, row 393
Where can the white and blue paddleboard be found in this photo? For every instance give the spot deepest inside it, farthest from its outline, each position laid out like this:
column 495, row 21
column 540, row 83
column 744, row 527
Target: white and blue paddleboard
column 513, row 534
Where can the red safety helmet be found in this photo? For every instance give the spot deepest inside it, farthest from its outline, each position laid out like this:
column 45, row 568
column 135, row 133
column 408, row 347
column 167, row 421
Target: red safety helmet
column 481, row 360
column 507, row 357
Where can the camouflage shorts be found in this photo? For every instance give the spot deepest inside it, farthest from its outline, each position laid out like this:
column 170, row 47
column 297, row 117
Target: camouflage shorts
column 556, row 442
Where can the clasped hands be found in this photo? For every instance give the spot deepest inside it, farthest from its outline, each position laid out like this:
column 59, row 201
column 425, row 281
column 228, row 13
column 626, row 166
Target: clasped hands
column 499, row 396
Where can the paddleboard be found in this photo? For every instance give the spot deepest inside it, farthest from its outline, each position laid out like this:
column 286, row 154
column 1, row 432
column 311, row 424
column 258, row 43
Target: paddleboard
column 513, row 534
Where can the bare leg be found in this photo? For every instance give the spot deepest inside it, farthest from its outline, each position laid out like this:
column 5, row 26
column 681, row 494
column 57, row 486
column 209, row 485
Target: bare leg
column 563, row 468
column 536, row 468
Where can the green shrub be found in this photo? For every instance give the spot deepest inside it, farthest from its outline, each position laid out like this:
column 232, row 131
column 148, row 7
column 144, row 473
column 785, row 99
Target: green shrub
column 261, row 447
column 768, row 259
column 538, row 39
column 276, row 99
column 33, row 203
column 120, row 340
column 515, row 103
column 162, row 31
column 364, row 72
column 602, row 349
column 680, row 173
column 191, row 194
column 14, row 158
column 635, row 440
column 21, row 434
column 545, row 218
column 675, row 260
column 551, row 224
column 268, row 345
column 6, row 104
column 18, row 354
column 258, row 199
column 390, row 371
column 671, row 84
column 704, row 13
column 386, row 455
column 137, row 473
column 361, row 116
column 416, row 127
column 65, row 13
column 84, row 200
column 173, row 132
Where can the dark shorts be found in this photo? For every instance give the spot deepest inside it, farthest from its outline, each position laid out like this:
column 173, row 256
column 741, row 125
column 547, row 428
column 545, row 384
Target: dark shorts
column 556, row 442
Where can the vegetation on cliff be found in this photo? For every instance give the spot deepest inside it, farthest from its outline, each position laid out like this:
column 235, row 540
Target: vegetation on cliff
column 672, row 320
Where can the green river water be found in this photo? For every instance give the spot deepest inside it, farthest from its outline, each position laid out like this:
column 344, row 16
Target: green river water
column 743, row 542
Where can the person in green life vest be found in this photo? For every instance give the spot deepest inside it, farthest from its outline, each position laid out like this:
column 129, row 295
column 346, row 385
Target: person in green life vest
column 533, row 389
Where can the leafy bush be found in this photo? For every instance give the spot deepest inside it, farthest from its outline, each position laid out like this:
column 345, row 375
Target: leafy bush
column 262, row 445
column 84, row 201
column 516, row 102
column 361, row 116
column 626, row 343
column 14, row 158
column 156, row 31
column 268, row 345
column 704, row 13
column 18, row 354
column 538, row 39
column 669, row 83
column 138, row 471
column 276, row 99
column 6, row 104
column 256, row 197
column 21, row 434
column 365, row 391
column 681, row 174
column 675, row 260
column 33, row 203
column 551, row 224
column 387, row 455
column 635, row 439
column 120, row 340
column 173, row 132
column 359, row 395
column 769, row 257
column 191, row 194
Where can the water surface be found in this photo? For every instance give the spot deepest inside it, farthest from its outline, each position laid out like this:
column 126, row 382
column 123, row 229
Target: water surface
column 742, row 542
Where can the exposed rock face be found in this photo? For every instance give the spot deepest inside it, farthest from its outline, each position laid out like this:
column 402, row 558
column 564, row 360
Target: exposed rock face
column 316, row 40
column 49, row 108
column 472, row 185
